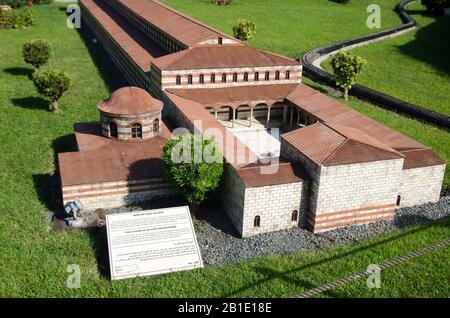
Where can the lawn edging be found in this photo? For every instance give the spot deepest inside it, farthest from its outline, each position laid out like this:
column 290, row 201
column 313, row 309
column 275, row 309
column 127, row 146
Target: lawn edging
column 312, row 69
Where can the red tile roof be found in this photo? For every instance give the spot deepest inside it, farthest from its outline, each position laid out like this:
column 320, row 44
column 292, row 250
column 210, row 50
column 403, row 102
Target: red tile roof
column 130, row 101
column 181, row 27
column 221, row 56
column 140, row 49
column 230, row 96
column 102, row 159
column 332, row 145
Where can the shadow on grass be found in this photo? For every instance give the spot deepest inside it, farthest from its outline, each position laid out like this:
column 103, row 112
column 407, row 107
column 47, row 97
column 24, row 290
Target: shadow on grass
column 431, row 44
column 31, row 103
column 271, row 274
column 19, row 71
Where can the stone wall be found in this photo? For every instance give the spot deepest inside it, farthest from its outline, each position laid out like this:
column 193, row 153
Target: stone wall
column 233, row 198
column 115, row 194
column 421, row 185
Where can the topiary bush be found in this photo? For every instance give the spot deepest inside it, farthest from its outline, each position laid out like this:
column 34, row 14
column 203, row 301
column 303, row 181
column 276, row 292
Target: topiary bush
column 52, row 84
column 193, row 164
column 36, row 53
column 244, row 30
column 346, row 67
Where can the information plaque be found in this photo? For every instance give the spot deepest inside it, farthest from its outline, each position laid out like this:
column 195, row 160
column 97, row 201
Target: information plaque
column 151, row 242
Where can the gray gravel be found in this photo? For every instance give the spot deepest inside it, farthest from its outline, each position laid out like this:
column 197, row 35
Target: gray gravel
column 219, row 243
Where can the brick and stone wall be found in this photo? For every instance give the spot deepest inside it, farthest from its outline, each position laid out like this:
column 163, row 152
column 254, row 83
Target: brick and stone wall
column 233, row 198
column 168, row 78
column 150, row 123
column 118, row 193
column 421, row 185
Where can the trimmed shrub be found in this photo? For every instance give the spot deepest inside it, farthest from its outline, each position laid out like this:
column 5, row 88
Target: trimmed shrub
column 36, row 53
column 14, row 19
column 244, row 30
column 346, row 67
column 52, row 84
column 194, row 164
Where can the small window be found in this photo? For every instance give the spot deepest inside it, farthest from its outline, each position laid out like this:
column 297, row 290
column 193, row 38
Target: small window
column 202, row 79
column 156, row 126
column 245, row 77
column 257, row 221
column 190, row 79
column 235, row 77
column 256, row 77
column 277, row 75
column 287, row 75
column 113, row 132
column 267, row 76
column 220, row 41
column 294, row 216
column 178, row 80
column 399, row 199
column 224, row 78
column 136, row 131
column 213, row 78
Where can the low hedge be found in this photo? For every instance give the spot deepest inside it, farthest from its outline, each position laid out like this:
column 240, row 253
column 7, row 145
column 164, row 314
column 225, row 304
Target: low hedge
column 14, row 19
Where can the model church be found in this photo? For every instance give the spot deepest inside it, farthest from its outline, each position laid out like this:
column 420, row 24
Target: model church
column 334, row 166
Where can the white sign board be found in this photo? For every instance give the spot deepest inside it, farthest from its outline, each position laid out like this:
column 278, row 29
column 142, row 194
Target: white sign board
column 151, row 242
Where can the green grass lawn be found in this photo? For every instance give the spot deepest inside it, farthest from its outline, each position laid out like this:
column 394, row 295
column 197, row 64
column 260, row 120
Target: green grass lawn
column 414, row 66
column 34, row 259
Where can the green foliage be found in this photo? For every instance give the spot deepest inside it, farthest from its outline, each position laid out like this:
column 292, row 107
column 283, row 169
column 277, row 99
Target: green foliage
column 52, row 84
column 346, row 67
column 194, row 164
column 223, row 2
column 15, row 19
column 244, row 30
column 36, row 52
column 436, row 6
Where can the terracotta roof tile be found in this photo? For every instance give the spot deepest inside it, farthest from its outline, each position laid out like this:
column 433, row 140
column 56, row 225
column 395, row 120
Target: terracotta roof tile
column 217, row 97
column 221, row 56
column 130, row 101
column 181, row 27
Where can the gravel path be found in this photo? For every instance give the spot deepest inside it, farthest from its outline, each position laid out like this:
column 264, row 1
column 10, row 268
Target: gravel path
column 220, row 245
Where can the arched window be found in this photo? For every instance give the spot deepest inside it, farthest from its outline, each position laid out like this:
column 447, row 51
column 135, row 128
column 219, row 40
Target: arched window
column 256, row 77
column 294, row 217
column 178, row 80
column 220, row 41
column 213, row 78
column 156, row 126
column 277, row 75
column 224, row 78
column 190, row 79
column 113, row 132
column 235, row 77
column 257, row 221
column 202, row 79
column 136, row 131
column 267, row 76
column 399, row 199
column 245, row 77
column 287, row 75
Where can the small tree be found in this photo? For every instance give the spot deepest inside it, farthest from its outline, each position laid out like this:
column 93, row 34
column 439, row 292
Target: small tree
column 346, row 67
column 52, row 84
column 36, row 53
column 244, row 30
column 194, row 164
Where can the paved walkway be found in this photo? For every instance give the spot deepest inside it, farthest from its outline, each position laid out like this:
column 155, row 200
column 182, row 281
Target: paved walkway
column 387, row 264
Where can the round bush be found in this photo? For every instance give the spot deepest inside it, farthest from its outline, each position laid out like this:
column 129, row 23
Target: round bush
column 52, row 84
column 36, row 52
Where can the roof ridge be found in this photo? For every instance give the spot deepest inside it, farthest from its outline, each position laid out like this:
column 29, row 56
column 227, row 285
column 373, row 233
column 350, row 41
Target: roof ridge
column 335, row 151
column 193, row 20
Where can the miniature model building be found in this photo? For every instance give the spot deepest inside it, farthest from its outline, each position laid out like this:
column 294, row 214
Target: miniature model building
column 336, row 166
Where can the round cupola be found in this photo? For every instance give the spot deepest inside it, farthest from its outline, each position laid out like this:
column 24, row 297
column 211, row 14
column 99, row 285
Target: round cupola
column 131, row 113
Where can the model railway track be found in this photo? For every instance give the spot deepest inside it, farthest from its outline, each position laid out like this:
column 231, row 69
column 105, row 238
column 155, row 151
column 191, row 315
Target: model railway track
column 312, row 70
column 386, row 264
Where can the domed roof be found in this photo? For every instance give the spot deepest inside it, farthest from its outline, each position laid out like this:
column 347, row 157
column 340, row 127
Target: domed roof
column 130, row 101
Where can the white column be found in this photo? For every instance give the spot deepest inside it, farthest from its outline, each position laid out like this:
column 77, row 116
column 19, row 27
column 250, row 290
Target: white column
column 215, row 113
column 234, row 117
column 251, row 116
column 268, row 116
